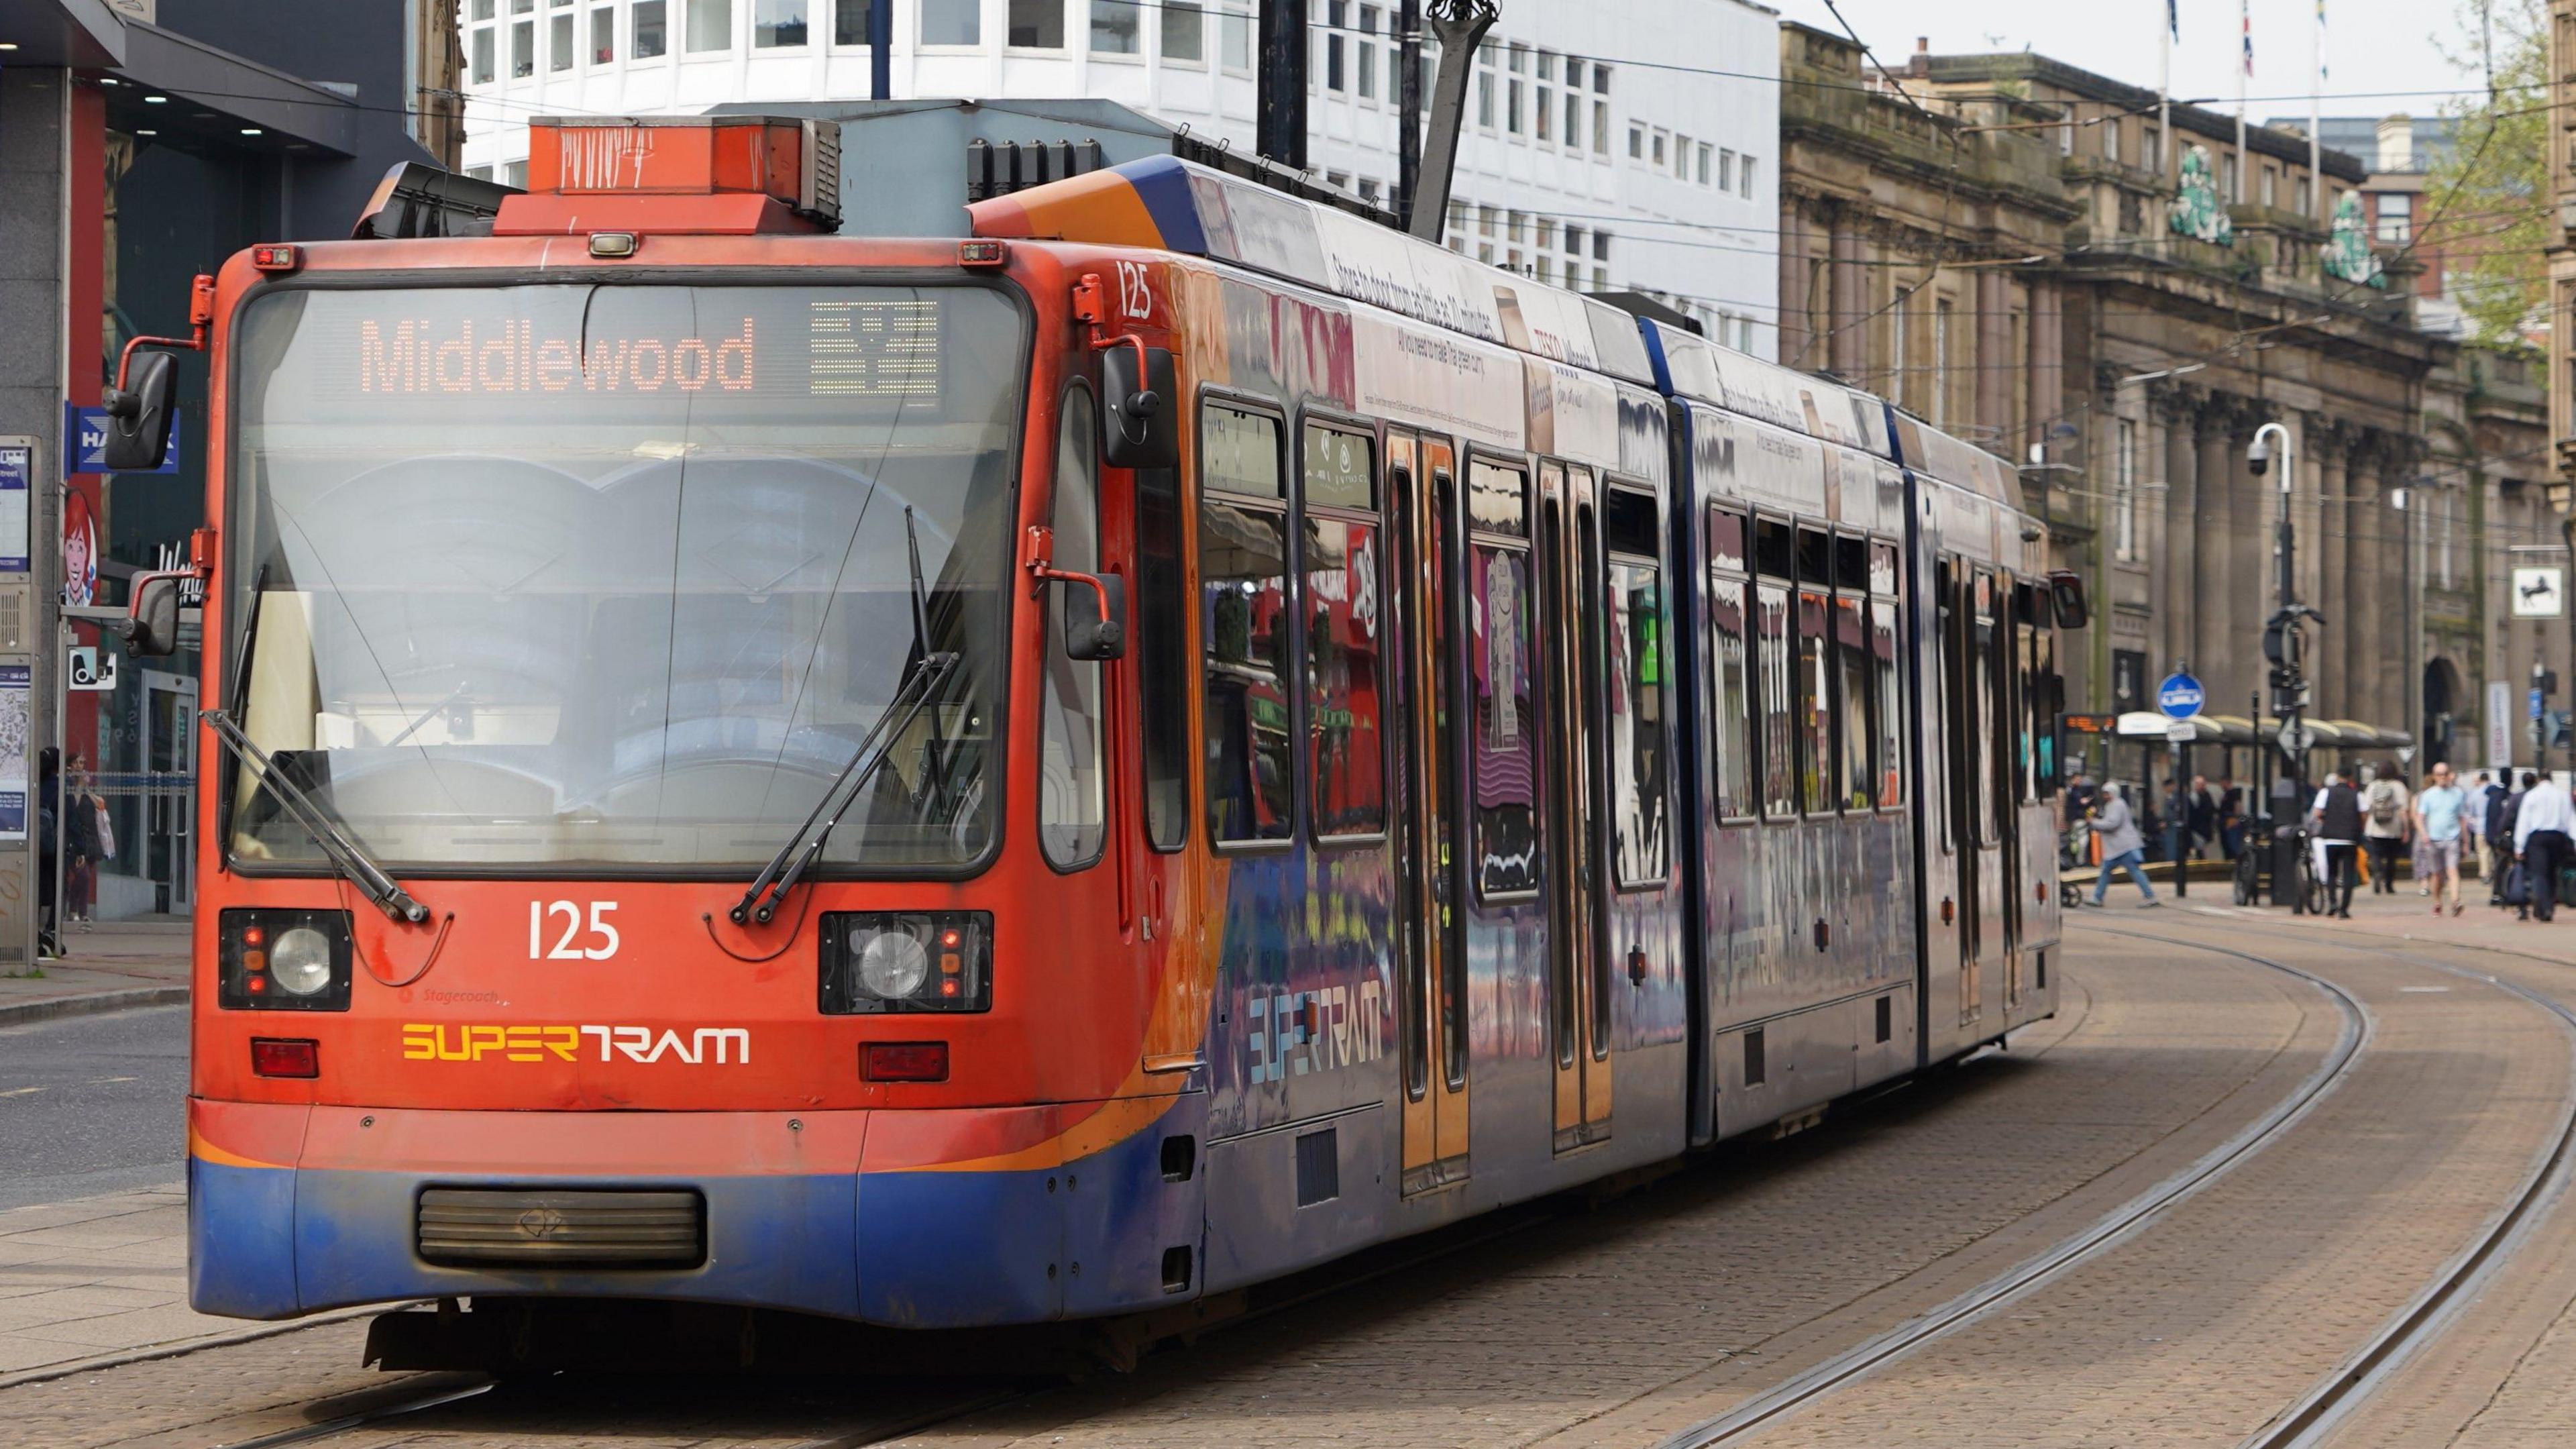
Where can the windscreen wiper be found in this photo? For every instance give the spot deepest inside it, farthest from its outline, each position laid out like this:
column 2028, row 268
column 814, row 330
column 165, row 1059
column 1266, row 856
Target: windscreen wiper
column 923, row 677
column 346, row 856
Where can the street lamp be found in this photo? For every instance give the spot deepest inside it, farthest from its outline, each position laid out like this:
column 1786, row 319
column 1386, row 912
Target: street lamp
column 2281, row 647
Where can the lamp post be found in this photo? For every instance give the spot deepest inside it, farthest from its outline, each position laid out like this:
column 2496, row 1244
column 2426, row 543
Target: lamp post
column 2283, row 647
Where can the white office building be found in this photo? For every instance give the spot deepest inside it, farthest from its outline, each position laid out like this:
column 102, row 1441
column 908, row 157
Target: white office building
column 1609, row 144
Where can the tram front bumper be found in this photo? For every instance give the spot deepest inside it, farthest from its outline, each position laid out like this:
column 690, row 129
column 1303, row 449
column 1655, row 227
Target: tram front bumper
column 294, row 1209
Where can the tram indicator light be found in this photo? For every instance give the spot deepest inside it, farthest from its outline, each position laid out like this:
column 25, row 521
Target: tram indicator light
column 272, row 1056
column 904, row 1061
column 276, row 257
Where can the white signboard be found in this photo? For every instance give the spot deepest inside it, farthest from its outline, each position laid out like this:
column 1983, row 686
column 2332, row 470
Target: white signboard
column 2499, row 718
column 2540, row 593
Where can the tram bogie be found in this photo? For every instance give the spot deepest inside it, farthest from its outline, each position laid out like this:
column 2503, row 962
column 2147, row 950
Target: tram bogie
column 1455, row 743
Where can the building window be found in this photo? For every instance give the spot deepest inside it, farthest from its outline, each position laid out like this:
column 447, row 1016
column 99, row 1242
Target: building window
column 2128, row 680
column 650, row 36
column 1744, row 178
column 2227, row 178
column 1364, row 53
column 1600, row 253
column 1600, row 128
column 1636, row 142
column 1235, row 27
column 1485, row 100
column 2271, row 183
column 1337, row 18
column 1899, row 314
column 1117, row 27
column 1184, row 32
column 559, row 47
column 2396, row 217
column 2124, row 493
column 850, row 22
column 1544, row 107
column 523, row 48
column 516, row 174
column 776, row 24
column 710, row 26
column 483, row 49
column 1681, row 158
column 1573, row 121
column 1662, row 142
column 2153, row 152
column 603, row 36
column 1941, row 360
column 961, row 22
column 1512, row 93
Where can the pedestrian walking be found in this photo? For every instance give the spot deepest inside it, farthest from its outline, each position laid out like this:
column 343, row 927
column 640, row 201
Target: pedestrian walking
column 2122, row 848
column 2391, row 820
column 2542, row 833
column 2202, row 813
column 2482, row 793
column 2336, row 817
column 2500, row 812
column 2231, row 818
column 80, row 845
column 2441, row 814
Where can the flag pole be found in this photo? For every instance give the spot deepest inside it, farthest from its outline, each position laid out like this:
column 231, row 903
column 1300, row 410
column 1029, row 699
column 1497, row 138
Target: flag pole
column 2244, row 63
column 2165, row 147
column 2318, row 211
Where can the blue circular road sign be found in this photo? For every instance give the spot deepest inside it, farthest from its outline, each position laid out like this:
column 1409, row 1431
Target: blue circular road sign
column 2179, row 696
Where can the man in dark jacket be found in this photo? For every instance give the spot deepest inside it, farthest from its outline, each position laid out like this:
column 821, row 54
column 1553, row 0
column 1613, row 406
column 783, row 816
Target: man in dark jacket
column 2502, row 807
column 2231, row 818
column 2203, row 816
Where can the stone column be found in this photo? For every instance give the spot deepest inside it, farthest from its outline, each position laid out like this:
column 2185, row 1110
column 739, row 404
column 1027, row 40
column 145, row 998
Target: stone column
column 2212, row 484
column 2047, row 365
column 1995, row 367
column 2360, row 626
column 1844, row 351
column 1795, row 268
column 2177, row 597
column 2251, row 565
column 2331, row 544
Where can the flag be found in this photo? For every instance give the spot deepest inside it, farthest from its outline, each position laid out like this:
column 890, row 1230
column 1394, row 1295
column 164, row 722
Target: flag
column 2245, row 15
column 2321, row 45
column 2173, row 17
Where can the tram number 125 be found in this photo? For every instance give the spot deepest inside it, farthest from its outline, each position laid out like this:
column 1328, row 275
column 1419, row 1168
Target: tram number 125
column 602, row 942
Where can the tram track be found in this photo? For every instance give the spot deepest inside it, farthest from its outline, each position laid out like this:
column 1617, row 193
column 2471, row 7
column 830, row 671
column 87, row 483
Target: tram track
column 2112, row 1228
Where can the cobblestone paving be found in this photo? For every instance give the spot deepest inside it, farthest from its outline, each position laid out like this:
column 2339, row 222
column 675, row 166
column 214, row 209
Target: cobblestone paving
column 2236, row 1302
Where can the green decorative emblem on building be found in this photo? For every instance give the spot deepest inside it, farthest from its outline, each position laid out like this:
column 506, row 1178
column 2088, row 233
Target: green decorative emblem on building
column 2196, row 210
column 2347, row 254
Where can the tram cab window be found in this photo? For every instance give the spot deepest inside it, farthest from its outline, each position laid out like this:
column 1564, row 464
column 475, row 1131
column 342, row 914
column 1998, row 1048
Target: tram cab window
column 1159, row 618
column 2042, row 690
column 1072, row 768
column 1502, row 665
column 1775, row 655
column 1244, row 605
column 1886, row 677
column 1730, row 644
column 1854, row 699
column 1641, row 825
column 1815, row 723
column 1346, row 761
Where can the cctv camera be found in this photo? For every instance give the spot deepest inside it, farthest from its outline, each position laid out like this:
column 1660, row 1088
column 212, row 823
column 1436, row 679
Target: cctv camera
column 2259, row 456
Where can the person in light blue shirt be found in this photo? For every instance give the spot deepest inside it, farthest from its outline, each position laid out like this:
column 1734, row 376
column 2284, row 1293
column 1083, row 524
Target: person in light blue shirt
column 2439, row 811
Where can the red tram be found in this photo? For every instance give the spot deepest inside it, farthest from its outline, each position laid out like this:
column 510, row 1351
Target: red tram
column 947, row 783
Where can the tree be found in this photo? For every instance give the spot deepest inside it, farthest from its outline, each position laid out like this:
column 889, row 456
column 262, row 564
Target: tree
column 2488, row 197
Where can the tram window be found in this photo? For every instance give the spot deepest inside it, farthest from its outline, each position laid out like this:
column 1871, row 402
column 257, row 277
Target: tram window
column 1731, row 711
column 1882, row 568
column 1510, row 849
column 1346, row 761
column 1726, row 540
column 2047, row 703
column 1160, row 615
column 1072, row 767
column 1815, row 558
column 1815, row 722
column 1497, row 500
column 1851, row 564
column 1950, row 635
column 1891, row 729
column 1855, row 701
column 1985, row 724
column 1641, row 825
column 1779, row 718
column 2025, row 760
column 1244, row 613
column 1774, row 554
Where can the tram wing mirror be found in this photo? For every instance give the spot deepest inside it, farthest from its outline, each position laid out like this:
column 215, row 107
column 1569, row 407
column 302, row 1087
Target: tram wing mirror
column 138, row 414
column 2066, row 590
column 1140, row 428
column 150, row 627
column 1101, row 633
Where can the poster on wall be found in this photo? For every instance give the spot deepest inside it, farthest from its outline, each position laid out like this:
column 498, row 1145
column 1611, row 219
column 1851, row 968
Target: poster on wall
column 17, row 465
column 2499, row 722
column 16, row 726
column 80, row 551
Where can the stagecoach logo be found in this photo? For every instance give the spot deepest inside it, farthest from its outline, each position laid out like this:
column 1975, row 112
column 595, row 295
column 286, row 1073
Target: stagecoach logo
column 540, row 1223
column 701, row 1046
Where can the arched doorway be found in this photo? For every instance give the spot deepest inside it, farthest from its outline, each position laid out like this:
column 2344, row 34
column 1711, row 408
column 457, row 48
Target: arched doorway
column 2441, row 704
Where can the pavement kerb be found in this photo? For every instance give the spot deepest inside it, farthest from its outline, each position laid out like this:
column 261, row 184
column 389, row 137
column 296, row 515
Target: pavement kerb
column 92, row 1003
column 176, row 1347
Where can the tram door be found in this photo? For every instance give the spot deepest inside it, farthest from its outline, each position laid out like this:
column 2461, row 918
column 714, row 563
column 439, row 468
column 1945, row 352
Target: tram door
column 1961, row 790
column 2011, row 744
column 1570, row 624
column 1421, row 479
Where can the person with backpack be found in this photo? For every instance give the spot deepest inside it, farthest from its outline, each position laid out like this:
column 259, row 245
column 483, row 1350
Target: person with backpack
column 2336, row 816
column 2388, row 828
column 2501, row 809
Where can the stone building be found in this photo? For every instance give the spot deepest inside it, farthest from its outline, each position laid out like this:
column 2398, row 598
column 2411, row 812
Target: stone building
column 2115, row 296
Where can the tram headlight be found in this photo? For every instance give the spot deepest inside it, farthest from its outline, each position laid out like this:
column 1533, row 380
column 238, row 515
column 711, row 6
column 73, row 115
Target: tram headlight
column 300, row 962
column 283, row 960
column 902, row 961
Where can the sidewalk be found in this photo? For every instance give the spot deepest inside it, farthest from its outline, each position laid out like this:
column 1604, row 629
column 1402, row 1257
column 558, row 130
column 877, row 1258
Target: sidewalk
column 2410, row 916
column 114, row 967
